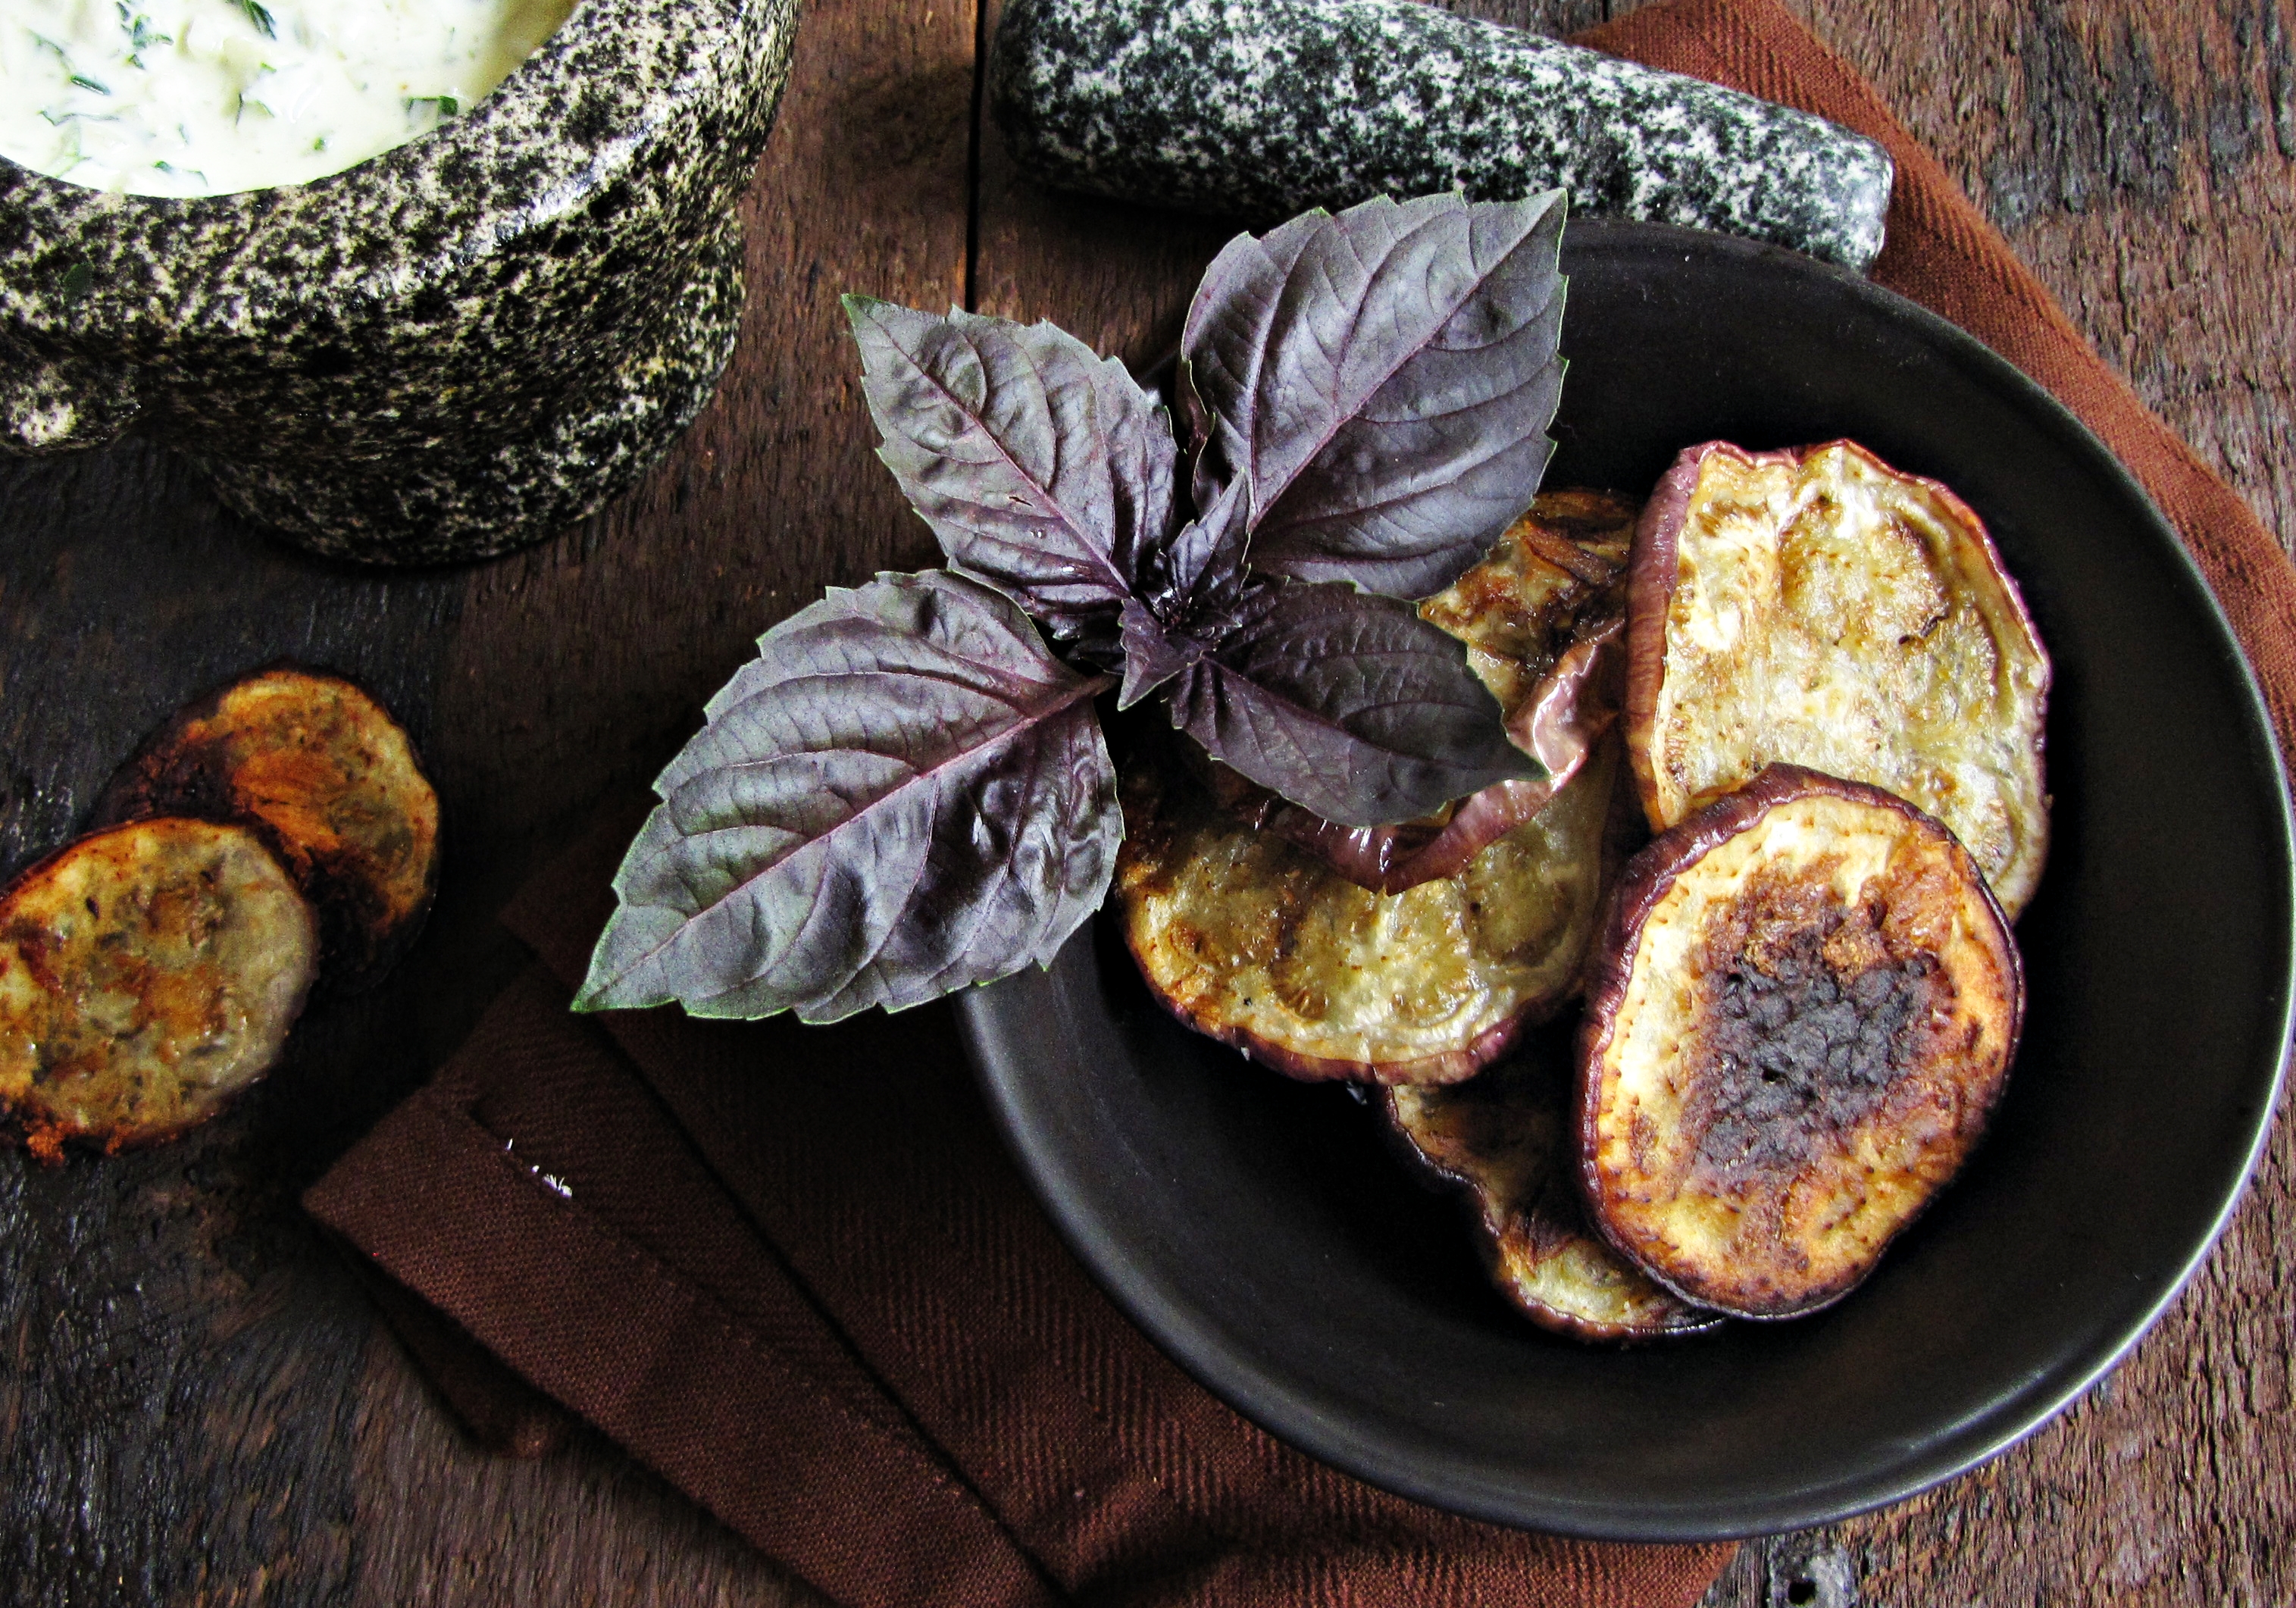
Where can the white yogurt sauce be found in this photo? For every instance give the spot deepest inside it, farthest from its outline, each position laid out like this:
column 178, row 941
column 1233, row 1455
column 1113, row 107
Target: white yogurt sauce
column 200, row 97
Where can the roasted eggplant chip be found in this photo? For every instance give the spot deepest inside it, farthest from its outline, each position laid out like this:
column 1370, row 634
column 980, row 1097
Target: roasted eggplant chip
column 1556, row 575
column 1256, row 942
column 147, row 975
column 1801, row 1011
column 322, row 773
column 1816, row 607
column 1542, row 617
column 1505, row 1138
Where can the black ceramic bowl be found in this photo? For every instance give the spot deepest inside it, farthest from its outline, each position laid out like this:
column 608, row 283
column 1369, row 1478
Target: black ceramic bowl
column 1257, row 1229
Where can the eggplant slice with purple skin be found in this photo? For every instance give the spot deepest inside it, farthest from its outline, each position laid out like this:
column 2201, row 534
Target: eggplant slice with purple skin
column 319, row 769
column 1542, row 617
column 1257, row 943
column 1816, row 607
column 1800, row 1014
column 148, row 974
column 1504, row 1139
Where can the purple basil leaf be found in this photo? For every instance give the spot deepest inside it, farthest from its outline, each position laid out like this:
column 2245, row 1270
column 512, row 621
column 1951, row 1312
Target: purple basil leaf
column 1189, row 589
column 1231, row 321
column 1347, row 704
column 1196, row 577
column 903, row 793
column 1382, row 380
column 1154, row 653
column 1042, row 468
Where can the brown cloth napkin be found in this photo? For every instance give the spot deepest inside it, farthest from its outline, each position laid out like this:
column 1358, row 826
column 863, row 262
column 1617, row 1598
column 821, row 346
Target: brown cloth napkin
column 792, row 1270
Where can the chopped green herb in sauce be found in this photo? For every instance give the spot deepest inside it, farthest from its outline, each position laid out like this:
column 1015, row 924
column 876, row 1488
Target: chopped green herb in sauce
column 190, row 97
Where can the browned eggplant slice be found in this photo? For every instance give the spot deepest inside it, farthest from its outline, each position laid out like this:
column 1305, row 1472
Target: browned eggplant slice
column 1256, row 942
column 1816, row 607
column 1557, row 575
column 1801, row 1011
column 147, row 975
column 1542, row 616
column 330, row 780
column 1505, row 1137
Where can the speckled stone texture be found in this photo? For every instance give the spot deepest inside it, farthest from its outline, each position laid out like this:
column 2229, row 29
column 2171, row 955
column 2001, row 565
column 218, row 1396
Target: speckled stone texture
column 1261, row 109
column 448, row 351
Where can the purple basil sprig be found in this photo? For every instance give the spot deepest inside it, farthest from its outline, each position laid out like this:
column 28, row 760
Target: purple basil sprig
column 906, row 791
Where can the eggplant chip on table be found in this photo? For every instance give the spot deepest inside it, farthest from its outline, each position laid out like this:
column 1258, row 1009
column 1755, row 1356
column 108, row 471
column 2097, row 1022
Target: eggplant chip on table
column 328, row 779
column 150, row 971
column 147, row 975
column 1815, row 607
column 1505, row 1139
column 1801, row 1012
column 1412, row 953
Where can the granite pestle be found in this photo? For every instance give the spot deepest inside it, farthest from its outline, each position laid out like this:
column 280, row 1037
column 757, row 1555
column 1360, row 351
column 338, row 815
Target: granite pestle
column 1257, row 109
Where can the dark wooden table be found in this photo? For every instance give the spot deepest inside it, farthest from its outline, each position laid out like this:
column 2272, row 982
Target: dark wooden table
column 196, row 1403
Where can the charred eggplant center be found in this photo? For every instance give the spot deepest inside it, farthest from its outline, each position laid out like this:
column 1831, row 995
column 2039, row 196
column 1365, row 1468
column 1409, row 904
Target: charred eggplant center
column 1810, row 1017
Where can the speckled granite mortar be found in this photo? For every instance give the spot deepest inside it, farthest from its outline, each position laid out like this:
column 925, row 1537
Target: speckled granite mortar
column 1261, row 109
column 445, row 352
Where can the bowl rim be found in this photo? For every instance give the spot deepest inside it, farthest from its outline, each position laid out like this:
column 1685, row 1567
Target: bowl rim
column 1202, row 1349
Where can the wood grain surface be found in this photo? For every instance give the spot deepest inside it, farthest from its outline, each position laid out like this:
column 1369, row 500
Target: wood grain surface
column 197, row 1405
